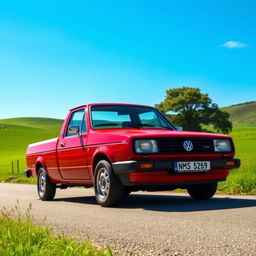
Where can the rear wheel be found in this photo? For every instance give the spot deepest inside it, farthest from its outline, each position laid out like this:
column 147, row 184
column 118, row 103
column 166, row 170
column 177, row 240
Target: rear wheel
column 108, row 188
column 46, row 189
column 202, row 191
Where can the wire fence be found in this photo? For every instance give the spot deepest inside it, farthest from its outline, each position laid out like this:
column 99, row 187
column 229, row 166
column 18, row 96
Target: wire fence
column 12, row 166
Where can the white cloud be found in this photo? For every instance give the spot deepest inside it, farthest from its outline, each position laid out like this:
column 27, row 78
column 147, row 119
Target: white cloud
column 233, row 45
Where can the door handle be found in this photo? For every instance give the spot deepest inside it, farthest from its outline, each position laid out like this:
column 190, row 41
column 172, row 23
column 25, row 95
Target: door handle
column 63, row 144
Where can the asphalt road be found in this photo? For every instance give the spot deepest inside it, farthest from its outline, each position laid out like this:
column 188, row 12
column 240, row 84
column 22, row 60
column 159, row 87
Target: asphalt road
column 147, row 223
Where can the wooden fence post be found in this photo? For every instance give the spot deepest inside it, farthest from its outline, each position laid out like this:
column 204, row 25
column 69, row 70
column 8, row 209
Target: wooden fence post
column 12, row 168
column 18, row 166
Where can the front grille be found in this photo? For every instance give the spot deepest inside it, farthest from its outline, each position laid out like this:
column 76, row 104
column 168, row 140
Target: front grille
column 175, row 145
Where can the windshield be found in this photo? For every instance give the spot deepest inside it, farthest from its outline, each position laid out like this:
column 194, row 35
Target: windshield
column 125, row 116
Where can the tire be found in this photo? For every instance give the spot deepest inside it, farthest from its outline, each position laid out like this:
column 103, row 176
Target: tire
column 45, row 188
column 107, row 186
column 203, row 191
column 127, row 191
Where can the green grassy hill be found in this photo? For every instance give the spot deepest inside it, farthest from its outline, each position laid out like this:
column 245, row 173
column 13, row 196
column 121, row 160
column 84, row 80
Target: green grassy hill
column 17, row 133
column 242, row 113
column 33, row 122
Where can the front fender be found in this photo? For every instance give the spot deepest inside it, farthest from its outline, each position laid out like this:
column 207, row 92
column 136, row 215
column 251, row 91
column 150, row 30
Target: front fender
column 114, row 152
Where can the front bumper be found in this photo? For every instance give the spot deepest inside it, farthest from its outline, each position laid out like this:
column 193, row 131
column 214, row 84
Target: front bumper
column 162, row 172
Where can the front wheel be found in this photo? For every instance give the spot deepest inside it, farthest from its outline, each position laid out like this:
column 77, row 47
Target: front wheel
column 202, row 191
column 108, row 188
column 46, row 189
column 127, row 191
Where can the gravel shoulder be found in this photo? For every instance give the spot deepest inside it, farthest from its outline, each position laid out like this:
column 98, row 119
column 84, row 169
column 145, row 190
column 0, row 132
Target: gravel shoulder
column 147, row 223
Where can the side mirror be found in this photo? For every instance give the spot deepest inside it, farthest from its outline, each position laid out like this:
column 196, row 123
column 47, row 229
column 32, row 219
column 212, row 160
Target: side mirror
column 73, row 130
column 179, row 128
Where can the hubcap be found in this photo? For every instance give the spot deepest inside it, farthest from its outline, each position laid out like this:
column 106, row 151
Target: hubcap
column 42, row 184
column 103, row 183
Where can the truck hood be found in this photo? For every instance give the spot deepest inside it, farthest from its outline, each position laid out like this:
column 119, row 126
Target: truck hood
column 152, row 133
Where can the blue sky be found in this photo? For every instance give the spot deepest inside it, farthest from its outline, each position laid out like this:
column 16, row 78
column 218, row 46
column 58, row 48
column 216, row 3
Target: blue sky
column 55, row 55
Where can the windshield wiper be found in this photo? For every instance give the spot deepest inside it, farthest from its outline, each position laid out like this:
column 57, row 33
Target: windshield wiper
column 138, row 126
column 147, row 125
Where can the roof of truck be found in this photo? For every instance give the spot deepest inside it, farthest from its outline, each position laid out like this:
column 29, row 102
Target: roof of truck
column 113, row 103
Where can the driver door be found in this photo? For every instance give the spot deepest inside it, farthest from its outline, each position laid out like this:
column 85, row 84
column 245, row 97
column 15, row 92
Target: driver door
column 71, row 149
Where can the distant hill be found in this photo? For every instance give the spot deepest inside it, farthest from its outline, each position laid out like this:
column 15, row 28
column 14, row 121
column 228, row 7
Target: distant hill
column 244, row 113
column 33, row 122
column 17, row 133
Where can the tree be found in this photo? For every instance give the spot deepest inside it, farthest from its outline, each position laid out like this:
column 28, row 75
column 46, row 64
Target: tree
column 191, row 109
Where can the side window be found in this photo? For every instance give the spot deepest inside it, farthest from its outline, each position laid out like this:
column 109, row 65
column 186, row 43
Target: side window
column 77, row 119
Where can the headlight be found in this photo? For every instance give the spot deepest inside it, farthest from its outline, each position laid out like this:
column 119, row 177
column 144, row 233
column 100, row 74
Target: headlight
column 146, row 146
column 222, row 145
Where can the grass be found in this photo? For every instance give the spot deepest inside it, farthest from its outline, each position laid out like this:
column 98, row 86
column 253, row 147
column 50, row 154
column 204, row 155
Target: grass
column 17, row 179
column 20, row 237
column 243, row 180
column 17, row 133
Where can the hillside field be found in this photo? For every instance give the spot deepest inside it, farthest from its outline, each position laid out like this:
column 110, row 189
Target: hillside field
column 242, row 113
column 17, row 133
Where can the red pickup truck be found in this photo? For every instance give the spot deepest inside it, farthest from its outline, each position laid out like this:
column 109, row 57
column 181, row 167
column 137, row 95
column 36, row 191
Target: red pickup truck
column 119, row 148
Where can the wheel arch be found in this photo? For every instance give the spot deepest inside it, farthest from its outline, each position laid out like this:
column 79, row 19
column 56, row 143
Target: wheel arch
column 40, row 163
column 98, row 157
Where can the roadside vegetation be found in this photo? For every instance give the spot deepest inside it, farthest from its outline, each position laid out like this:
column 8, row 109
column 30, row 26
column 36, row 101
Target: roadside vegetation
column 243, row 180
column 17, row 133
column 19, row 236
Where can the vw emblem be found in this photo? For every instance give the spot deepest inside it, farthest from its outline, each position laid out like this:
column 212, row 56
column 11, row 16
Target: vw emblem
column 188, row 145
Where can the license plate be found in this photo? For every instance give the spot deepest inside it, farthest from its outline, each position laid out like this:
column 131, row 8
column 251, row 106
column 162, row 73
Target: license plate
column 195, row 166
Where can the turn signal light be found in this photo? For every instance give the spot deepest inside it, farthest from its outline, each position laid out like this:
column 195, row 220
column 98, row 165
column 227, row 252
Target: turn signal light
column 146, row 166
column 230, row 163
